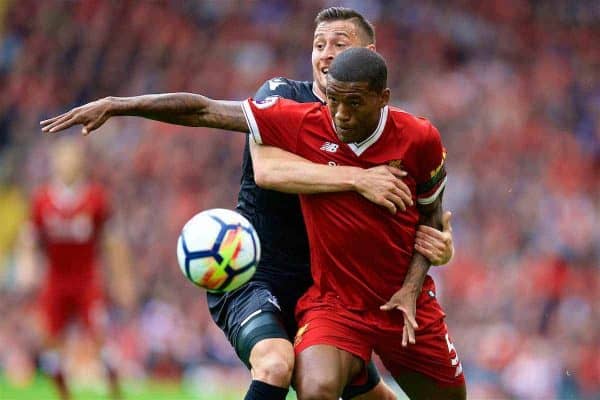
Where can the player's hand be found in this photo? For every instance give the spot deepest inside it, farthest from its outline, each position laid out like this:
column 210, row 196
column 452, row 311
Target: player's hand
column 436, row 246
column 383, row 186
column 91, row 116
column 405, row 300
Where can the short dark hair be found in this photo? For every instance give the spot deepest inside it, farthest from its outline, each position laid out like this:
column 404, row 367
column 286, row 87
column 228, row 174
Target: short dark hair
column 359, row 64
column 342, row 14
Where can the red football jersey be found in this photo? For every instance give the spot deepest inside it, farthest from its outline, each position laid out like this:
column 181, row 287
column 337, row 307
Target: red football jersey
column 359, row 252
column 69, row 223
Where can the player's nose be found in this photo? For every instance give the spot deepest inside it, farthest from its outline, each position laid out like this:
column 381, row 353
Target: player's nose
column 342, row 117
column 328, row 53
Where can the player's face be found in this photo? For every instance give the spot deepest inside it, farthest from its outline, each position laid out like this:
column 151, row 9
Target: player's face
column 331, row 38
column 67, row 162
column 355, row 108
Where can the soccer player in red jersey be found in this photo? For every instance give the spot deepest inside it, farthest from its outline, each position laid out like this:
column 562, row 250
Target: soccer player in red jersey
column 68, row 215
column 368, row 282
column 360, row 256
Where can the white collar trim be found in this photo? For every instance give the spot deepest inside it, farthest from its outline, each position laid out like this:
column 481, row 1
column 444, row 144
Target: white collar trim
column 359, row 148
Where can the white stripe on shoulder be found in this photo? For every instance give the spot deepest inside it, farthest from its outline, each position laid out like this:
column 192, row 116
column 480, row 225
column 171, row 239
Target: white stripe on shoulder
column 251, row 121
column 431, row 199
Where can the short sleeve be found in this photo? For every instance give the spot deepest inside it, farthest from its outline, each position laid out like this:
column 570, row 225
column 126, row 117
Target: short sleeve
column 432, row 167
column 274, row 121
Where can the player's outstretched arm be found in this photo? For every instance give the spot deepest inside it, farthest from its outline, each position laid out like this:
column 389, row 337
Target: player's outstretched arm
column 277, row 169
column 405, row 299
column 175, row 108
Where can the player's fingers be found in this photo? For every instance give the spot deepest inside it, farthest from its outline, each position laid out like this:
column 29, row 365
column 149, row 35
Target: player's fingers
column 426, row 230
column 93, row 125
column 389, row 205
column 63, row 125
column 408, row 317
column 404, row 336
column 402, row 186
column 396, row 171
column 395, row 198
column 439, row 244
column 435, row 258
column 56, row 122
column 51, row 120
column 411, row 334
column 404, row 192
column 387, row 306
column 432, row 244
column 426, row 251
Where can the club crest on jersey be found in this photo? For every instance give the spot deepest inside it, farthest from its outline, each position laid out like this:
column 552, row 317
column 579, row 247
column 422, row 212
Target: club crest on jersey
column 395, row 163
column 266, row 103
column 275, row 83
column 330, row 147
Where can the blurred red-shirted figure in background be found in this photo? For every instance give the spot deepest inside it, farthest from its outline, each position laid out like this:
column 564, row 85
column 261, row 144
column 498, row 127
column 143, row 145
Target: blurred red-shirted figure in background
column 69, row 214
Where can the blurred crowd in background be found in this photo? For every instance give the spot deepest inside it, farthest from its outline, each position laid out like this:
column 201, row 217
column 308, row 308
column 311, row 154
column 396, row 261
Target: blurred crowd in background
column 512, row 85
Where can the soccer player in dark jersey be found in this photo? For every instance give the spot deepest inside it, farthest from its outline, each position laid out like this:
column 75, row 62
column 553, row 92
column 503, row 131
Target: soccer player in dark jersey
column 258, row 318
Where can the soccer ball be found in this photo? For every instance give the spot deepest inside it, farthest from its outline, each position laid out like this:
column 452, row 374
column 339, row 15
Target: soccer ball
column 218, row 250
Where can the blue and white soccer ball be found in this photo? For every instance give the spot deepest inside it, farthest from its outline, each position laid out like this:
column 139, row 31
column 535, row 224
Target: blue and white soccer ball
column 218, row 250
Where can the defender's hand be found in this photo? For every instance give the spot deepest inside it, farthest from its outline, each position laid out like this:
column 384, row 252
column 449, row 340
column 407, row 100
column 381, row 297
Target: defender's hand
column 436, row 246
column 405, row 300
column 91, row 116
column 383, row 186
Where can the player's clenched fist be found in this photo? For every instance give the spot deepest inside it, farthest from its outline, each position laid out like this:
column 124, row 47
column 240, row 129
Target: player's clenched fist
column 91, row 116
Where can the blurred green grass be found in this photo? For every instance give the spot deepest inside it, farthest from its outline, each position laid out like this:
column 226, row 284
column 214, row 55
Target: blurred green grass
column 41, row 388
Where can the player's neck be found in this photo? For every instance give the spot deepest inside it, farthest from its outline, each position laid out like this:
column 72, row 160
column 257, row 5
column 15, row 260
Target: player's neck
column 317, row 92
column 68, row 189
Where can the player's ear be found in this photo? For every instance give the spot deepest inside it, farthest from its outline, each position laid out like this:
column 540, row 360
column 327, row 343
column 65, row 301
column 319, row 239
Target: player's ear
column 371, row 47
column 385, row 97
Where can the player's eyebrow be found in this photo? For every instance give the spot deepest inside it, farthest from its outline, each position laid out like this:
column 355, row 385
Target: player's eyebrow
column 337, row 33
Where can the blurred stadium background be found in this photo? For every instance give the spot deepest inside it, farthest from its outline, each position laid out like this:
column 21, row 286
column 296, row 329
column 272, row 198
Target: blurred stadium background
column 513, row 85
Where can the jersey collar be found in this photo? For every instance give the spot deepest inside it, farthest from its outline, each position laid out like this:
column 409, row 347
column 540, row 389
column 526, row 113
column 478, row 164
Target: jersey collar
column 359, row 148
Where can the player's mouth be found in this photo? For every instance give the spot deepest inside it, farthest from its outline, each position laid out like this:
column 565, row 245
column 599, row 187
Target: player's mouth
column 325, row 70
column 344, row 132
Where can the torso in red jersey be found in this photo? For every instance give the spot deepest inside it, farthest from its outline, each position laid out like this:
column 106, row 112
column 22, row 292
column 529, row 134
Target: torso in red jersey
column 359, row 252
column 69, row 223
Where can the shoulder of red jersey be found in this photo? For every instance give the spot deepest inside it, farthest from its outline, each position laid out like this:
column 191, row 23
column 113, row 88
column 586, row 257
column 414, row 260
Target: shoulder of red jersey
column 419, row 124
column 96, row 189
column 271, row 101
column 40, row 194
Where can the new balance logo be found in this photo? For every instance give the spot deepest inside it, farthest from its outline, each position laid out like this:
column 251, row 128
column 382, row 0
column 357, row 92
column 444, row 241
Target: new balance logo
column 330, row 147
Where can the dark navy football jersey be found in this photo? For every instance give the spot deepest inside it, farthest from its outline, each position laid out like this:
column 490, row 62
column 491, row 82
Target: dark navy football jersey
column 276, row 216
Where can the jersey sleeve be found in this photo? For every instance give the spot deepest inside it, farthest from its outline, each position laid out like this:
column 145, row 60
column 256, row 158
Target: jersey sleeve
column 432, row 167
column 274, row 122
column 276, row 87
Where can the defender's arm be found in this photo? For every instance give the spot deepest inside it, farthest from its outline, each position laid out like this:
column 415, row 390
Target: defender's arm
column 280, row 170
column 176, row 108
